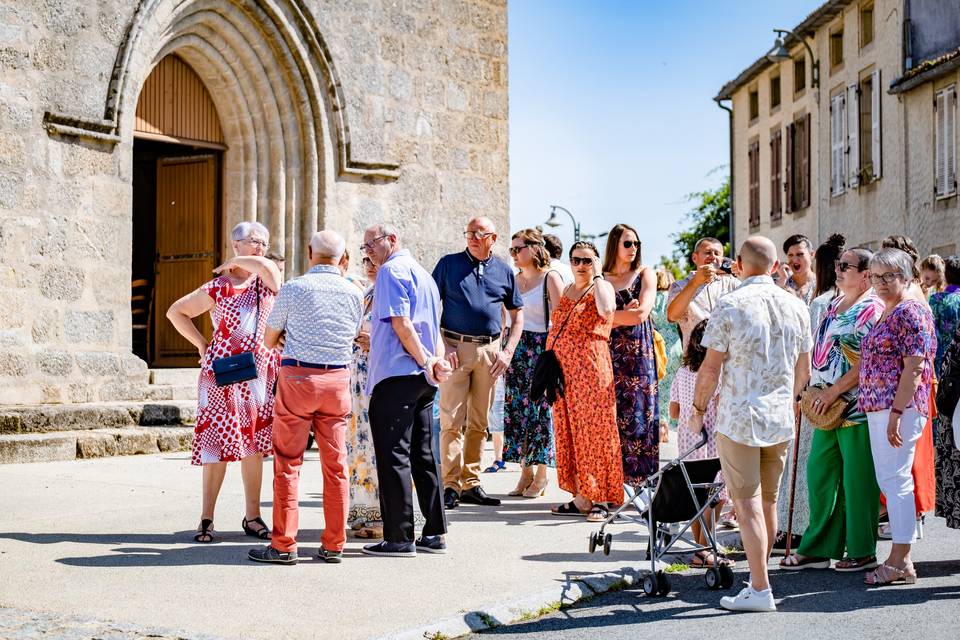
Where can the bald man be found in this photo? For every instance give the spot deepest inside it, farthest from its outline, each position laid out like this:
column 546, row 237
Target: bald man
column 758, row 340
column 320, row 314
column 474, row 285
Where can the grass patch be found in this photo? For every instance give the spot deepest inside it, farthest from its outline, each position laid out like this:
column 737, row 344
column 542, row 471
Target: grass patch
column 677, row 567
column 436, row 635
column 545, row 610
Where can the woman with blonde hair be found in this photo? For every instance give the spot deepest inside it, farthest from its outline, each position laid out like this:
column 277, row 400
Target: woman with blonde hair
column 933, row 278
column 235, row 421
column 528, row 425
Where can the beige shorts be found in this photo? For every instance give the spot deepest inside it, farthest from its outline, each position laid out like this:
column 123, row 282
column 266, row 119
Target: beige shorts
column 751, row 471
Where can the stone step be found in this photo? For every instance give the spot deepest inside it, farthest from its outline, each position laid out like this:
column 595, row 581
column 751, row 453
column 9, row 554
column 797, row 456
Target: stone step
column 47, row 418
column 171, row 392
column 174, row 376
column 93, row 443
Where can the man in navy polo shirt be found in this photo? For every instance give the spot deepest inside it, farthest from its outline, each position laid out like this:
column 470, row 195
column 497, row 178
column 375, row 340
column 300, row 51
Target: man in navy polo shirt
column 474, row 285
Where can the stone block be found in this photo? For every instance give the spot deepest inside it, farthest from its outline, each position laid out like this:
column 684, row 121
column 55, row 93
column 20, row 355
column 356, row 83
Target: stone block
column 168, row 413
column 98, row 363
column 54, row 363
column 37, row 448
column 96, row 445
column 91, row 327
column 13, row 364
column 457, row 98
column 46, row 327
column 175, row 440
column 135, row 441
column 401, row 86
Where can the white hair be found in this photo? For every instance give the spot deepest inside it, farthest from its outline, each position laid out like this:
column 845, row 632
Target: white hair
column 328, row 244
column 244, row 230
column 385, row 229
column 899, row 261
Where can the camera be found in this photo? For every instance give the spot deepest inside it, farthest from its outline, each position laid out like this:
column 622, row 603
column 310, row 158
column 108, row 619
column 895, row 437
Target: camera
column 726, row 266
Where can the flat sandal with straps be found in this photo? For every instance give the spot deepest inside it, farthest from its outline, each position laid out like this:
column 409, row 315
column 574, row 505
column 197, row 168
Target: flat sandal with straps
column 885, row 574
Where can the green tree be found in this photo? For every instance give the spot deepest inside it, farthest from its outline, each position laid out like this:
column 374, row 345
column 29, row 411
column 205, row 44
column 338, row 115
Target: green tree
column 709, row 217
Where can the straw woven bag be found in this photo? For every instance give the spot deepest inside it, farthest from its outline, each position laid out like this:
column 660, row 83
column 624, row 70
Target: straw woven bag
column 831, row 418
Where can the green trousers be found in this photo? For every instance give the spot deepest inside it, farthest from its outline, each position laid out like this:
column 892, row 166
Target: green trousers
column 844, row 496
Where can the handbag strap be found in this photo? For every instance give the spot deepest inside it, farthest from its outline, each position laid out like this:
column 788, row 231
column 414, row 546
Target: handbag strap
column 256, row 326
column 546, row 298
column 570, row 313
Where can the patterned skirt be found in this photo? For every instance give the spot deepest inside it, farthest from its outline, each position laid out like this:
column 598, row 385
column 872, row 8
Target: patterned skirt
column 527, row 425
column 948, row 472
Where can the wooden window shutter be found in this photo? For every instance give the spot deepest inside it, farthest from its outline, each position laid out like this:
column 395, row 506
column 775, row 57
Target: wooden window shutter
column 853, row 135
column 753, row 156
column 875, row 123
column 838, row 118
column 776, row 162
column 939, row 151
column 788, row 186
column 805, row 162
column 950, row 139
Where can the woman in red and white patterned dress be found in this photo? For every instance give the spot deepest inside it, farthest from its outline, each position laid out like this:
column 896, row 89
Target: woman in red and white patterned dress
column 234, row 422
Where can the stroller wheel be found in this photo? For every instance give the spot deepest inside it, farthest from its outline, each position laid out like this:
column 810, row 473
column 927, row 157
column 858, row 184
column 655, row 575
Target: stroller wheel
column 726, row 577
column 607, row 541
column 663, row 583
column 713, row 578
column 650, row 586
column 593, row 542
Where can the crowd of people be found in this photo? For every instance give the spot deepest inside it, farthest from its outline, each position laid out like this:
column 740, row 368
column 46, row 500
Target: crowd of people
column 814, row 376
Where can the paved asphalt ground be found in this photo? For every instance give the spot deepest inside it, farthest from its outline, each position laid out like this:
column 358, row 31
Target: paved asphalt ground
column 812, row 605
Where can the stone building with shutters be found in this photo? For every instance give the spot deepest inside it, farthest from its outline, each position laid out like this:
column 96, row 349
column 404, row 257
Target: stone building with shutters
column 134, row 135
column 858, row 140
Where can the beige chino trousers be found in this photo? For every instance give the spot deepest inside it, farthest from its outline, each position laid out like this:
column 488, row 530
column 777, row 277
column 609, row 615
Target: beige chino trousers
column 465, row 400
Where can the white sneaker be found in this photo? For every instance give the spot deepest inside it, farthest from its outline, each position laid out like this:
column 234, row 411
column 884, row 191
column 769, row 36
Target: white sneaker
column 749, row 600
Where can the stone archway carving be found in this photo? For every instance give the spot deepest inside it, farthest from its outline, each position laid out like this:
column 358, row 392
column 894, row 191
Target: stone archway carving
column 278, row 95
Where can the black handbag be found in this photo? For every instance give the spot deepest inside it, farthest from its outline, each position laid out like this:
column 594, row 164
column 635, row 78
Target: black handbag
column 948, row 386
column 241, row 367
column 548, row 380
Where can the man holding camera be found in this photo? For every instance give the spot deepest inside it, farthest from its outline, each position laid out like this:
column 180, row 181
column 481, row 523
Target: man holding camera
column 692, row 299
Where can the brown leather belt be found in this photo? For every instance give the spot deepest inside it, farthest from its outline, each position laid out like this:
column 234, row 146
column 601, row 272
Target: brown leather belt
column 459, row 337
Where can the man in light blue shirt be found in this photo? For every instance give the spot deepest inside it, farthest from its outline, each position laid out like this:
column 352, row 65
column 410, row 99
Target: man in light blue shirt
column 320, row 313
column 406, row 365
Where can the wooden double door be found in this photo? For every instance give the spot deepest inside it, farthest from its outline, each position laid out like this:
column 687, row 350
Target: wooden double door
column 187, row 241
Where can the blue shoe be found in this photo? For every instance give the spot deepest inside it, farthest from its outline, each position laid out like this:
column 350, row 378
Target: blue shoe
column 272, row 556
column 431, row 544
column 498, row 465
column 391, row 549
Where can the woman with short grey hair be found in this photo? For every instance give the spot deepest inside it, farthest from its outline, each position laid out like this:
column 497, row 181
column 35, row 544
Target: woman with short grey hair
column 896, row 372
column 234, row 422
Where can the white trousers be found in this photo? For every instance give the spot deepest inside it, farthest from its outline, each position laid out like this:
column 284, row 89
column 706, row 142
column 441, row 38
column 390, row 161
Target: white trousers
column 894, row 468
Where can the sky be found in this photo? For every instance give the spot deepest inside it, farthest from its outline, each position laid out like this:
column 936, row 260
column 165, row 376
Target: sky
column 611, row 106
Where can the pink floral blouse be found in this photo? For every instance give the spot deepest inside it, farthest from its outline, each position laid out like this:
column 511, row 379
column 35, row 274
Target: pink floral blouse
column 907, row 331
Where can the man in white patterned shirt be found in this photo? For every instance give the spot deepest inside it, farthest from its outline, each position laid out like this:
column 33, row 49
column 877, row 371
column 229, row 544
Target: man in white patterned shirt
column 320, row 314
column 758, row 342
column 691, row 300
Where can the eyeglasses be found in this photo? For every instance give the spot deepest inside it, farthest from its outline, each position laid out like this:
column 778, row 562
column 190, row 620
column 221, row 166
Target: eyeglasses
column 843, row 266
column 516, row 250
column 885, row 278
column 367, row 246
column 477, row 235
column 576, row 262
column 629, row 244
column 257, row 242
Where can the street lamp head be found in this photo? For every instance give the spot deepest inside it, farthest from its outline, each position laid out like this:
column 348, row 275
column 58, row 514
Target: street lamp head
column 552, row 220
column 779, row 52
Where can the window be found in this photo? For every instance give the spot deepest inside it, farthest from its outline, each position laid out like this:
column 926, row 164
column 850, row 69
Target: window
column 754, row 105
column 776, row 175
column 945, row 250
column 838, row 144
column 753, row 161
column 945, row 143
column 836, row 48
column 799, row 75
column 863, row 130
column 774, row 92
column 866, row 24
column 797, row 165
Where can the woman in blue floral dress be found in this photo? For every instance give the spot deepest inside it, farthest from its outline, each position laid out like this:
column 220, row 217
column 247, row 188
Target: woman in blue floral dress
column 527, row 424
column 631, row 349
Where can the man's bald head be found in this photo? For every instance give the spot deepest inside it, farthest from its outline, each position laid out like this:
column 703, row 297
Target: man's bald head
column 481, row 223
column 758, row 256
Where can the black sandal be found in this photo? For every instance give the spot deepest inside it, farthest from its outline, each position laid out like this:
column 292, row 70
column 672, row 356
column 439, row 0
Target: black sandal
column 206, row 531
column 568, row 509
column 262, row 533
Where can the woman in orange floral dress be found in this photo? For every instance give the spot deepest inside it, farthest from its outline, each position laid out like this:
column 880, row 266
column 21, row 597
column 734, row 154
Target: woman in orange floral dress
column 585, row 419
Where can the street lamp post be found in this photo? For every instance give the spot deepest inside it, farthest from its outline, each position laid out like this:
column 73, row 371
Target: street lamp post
column 779, row 53
column 553, row 222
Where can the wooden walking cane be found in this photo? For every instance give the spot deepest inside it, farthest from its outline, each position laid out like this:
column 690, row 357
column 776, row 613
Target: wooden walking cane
column 793, row 484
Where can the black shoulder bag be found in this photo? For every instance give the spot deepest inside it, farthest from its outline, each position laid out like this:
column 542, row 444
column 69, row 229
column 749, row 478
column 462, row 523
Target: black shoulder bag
column 548, row 378
column 948, row 386
column 243, row 366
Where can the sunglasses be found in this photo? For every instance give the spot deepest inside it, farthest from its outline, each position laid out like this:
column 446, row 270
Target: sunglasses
column 629, row 244
column 515, row 250
column 843, row 266
column 576, row 262
column 477, row 235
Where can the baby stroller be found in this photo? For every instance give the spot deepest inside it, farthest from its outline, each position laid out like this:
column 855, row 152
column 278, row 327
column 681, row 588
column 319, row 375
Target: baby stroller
column 681, row 492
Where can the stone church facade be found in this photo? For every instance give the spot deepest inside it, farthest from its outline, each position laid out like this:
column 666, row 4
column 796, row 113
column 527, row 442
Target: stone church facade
column 301, row 114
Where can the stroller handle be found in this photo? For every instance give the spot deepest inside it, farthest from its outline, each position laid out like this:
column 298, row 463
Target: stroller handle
column 704, row 436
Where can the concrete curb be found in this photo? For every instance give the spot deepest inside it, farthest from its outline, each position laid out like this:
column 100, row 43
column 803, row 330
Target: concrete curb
column 527, row 607
column 535, row 605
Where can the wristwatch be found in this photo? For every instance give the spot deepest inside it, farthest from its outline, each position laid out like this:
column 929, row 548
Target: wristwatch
column 697, row 411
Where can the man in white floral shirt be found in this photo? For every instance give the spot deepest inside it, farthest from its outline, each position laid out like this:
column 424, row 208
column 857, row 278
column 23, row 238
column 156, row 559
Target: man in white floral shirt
column 691, row 300
column 759, row 337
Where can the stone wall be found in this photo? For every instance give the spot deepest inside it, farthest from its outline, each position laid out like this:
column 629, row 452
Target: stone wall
column 422, row 85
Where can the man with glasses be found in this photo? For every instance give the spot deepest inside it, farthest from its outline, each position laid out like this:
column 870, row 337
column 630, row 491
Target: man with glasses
column 691, row 300
column 406, row 364
column 474, row 285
